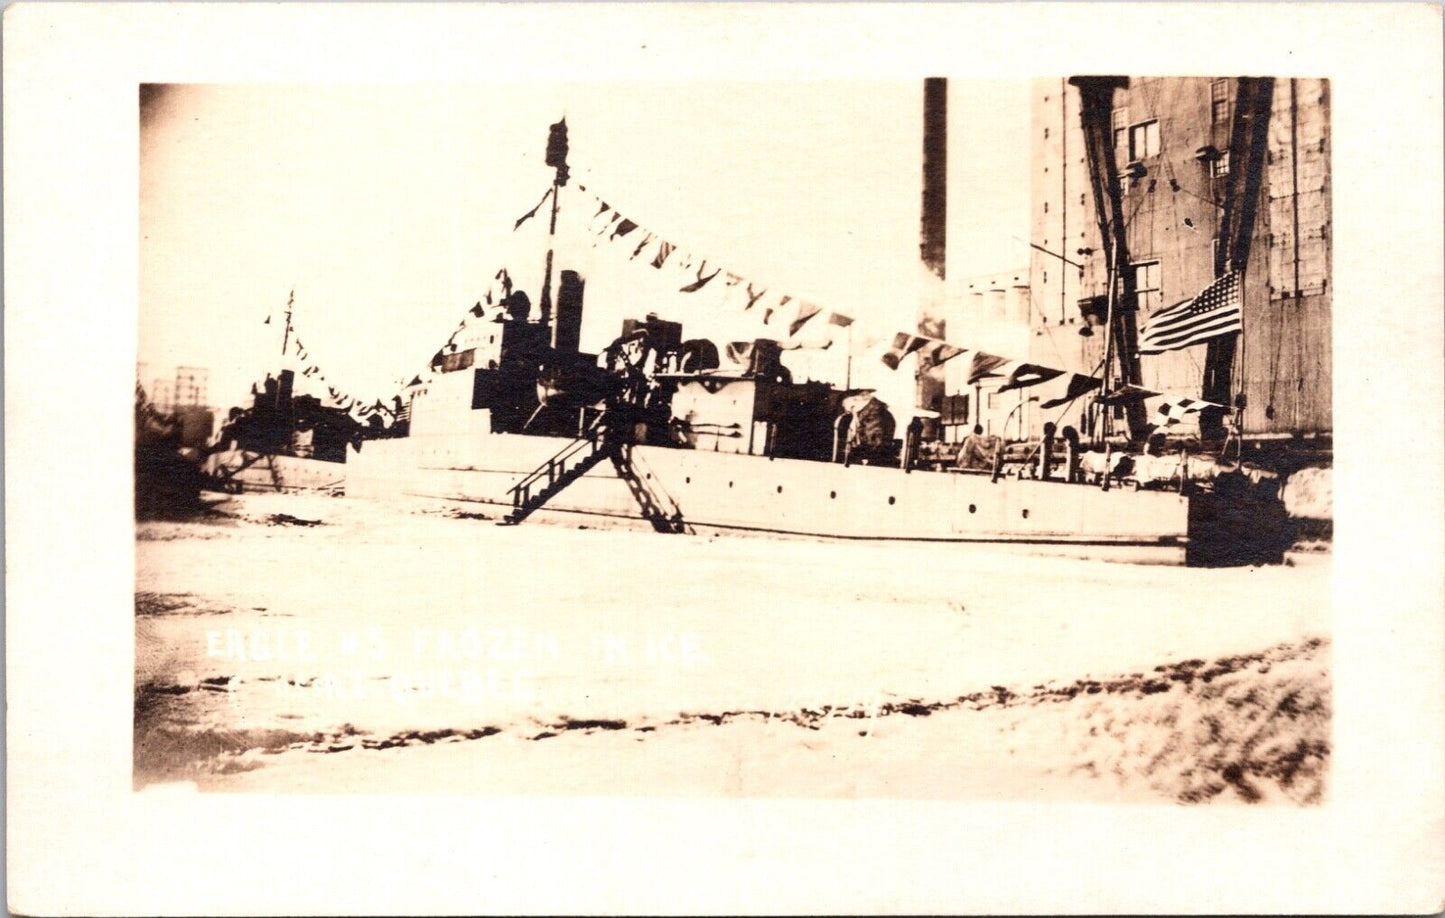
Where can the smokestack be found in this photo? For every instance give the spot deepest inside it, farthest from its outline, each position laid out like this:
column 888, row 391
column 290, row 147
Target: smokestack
column 934, row 230
column 933, row 237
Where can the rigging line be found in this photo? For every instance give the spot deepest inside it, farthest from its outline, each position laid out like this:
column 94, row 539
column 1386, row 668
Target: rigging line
column 1068, row 406
column 1065, row 408
column 729, row 267
column 1152, row 94
column 1175, row 184
column 1157, row 107
column 1164, row 139
column 1040, row 248
column 1049, row 332
column 1195, row 195
column 1149, row 93
column 1129, row 220
column 1277, row 329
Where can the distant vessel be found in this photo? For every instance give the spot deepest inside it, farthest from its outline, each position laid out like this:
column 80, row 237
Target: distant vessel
column 276, row 445
column 285, row 441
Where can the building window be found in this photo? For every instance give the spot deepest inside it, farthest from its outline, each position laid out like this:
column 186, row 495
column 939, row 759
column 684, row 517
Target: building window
column 1046, row 207
column 1219, row 168
column 1144, row 140
column 1120, row 124
column 1146, row 285
column 1046, row 133
column 1219, row 101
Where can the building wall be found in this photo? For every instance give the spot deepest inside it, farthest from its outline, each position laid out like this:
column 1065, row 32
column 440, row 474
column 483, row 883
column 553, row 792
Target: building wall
column 1172, row 221
column 1290, row 358
column 1062, row 220
column 190, row 388
column 187, row 388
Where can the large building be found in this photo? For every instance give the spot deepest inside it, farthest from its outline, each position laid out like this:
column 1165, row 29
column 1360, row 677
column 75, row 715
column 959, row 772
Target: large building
column 1171, row 141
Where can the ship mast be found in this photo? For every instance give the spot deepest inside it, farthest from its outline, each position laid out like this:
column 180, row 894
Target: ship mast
column 1096, row 106
column 286, row 335
column 283, row 388
column 556, row 158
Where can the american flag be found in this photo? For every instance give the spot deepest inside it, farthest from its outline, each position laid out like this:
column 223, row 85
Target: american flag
column 1214, row 312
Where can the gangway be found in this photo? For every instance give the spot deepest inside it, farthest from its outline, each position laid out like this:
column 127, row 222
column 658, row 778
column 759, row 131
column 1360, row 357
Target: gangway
column 598, row 442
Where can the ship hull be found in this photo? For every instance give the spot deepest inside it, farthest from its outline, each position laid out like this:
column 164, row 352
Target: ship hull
column 277, row 472
column 783, row 497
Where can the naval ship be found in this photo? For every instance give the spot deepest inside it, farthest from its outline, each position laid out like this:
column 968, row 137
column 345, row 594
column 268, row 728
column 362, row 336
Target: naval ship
column 693, row 448
column 515, row 422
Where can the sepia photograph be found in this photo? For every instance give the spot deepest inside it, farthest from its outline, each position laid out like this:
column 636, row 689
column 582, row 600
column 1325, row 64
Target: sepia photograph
column 944, row 438
column 724, row 458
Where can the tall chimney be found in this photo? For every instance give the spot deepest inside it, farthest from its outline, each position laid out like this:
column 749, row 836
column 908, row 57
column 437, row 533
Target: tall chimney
column 933, row 235
column 934, row 239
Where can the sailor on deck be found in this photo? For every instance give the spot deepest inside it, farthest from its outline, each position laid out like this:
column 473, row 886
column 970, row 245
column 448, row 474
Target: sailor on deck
column 977, row 450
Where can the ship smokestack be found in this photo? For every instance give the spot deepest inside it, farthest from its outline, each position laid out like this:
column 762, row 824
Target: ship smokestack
column 933, row 240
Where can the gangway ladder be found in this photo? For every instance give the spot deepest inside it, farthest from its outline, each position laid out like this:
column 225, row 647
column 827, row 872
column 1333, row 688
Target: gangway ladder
column 598, row 442
column 656, row 504
column 569, row 464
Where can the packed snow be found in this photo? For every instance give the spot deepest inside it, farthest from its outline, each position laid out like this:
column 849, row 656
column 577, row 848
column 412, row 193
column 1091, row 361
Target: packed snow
column 293, row 642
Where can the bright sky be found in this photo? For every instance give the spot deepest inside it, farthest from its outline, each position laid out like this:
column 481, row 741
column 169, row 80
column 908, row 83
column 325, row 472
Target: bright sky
column 388, row 208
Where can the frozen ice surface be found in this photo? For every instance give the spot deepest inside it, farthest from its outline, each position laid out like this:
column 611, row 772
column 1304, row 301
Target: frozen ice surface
column 538, row 657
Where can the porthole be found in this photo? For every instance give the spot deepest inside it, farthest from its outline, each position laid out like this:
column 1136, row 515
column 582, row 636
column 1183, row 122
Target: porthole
column 973, row 508
column 832, row 495
column 892, row 500
column 1026, row 514
column 687, row 480
column 730, row 484
column 780, row 489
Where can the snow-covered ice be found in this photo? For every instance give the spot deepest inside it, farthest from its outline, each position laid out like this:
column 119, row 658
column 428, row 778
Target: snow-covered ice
column 423, row 649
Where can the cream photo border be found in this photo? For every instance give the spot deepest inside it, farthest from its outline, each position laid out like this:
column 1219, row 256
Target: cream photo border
column 81, row 841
